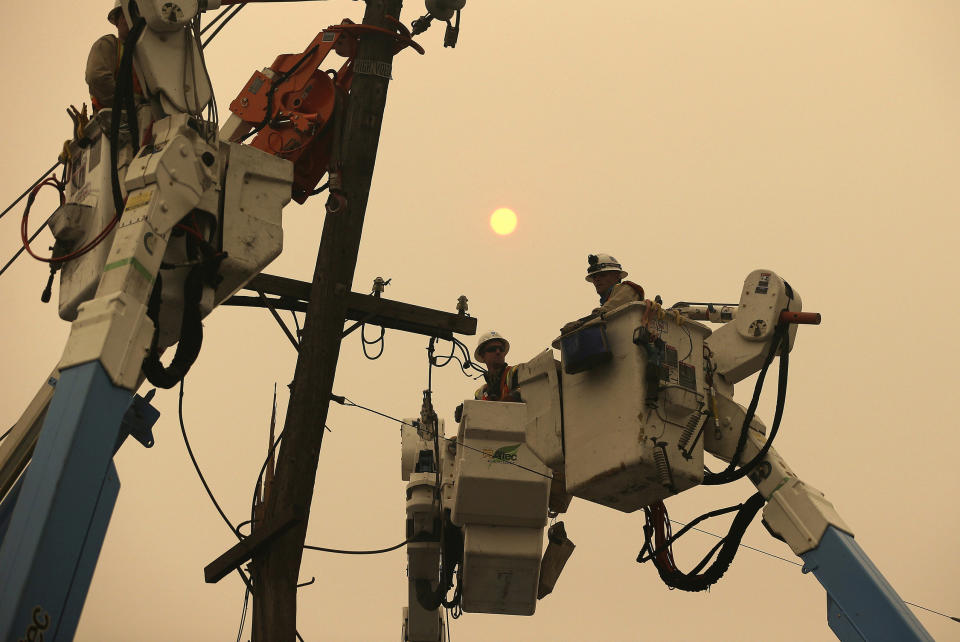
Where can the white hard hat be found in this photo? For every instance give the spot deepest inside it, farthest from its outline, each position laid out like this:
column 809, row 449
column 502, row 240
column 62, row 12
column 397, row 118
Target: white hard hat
column 486, row 338
column 601, row 262
column 114, row 14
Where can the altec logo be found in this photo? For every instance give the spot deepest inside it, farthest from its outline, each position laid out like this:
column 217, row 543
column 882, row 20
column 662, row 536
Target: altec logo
column 502, row 454
column 41, row 622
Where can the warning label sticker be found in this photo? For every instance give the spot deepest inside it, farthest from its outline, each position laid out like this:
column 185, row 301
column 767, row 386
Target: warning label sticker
column 139, row 199
column 763, row 284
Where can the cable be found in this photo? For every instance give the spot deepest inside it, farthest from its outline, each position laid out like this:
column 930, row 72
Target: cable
column 784, row 559
column 21, row 249
column 28, row 190
column 52, row 182
column 731, row 473
column 345, row 552
column 364, row 342
column 955, row 619
column 463, row 360
column 346, row 401
column 227, row 9
column 700, row 530
column 243, row 614
column 236, row 10
column 4, row 435
column 657, row 528
column 243, row 576
column 296, row 323
column 196, row 466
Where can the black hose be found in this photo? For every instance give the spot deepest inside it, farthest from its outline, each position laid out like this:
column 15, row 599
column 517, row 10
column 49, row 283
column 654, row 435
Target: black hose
column 731, row 473
column 191, row 333
column 123, row 92
column 695, row 580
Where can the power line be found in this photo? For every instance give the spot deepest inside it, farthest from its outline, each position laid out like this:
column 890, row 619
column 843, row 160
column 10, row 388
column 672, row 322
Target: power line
column 22, row 248
column 345, row 552
column 955, row 619
column 346, row 401
column 243, row 614
column 196, row 466
column 743, row 545
column 27, row 191
column 222, row 24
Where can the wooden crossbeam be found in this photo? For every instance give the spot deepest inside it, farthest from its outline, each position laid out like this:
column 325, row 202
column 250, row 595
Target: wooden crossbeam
column 367, row 308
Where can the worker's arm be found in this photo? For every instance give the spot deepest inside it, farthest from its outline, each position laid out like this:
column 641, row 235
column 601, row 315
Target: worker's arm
column 101, row 70
column 620, row 295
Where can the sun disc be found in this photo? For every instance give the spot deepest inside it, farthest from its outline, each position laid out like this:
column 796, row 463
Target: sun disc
column 503, row 221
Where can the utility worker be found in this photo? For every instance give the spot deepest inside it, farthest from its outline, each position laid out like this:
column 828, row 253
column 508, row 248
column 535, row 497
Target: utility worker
column 501, row 379
column 606, row 274
column 104, row 60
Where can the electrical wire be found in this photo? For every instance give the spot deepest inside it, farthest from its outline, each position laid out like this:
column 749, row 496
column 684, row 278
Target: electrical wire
column 52, row 182
column 21, row 250
column 700, row 530
column 346, row 401
column 345, row 552
column 307, row 546
column 243, row 614
column 463, row 359
column 296, row 324
column 364, row 342
column 235, row 10
column 213, row 21
column 731, row 472
column 29, row 189
column 784, row 559
column 196, row 466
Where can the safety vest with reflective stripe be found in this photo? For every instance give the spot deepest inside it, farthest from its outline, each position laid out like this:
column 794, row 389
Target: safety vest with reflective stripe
column 508, row 382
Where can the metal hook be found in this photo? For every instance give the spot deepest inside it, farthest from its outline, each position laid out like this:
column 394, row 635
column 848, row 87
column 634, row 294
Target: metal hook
column 312, row 580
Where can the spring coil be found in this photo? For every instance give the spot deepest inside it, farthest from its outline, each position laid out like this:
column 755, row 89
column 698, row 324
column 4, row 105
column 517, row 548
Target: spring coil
column 663, row 467
column 692, row 423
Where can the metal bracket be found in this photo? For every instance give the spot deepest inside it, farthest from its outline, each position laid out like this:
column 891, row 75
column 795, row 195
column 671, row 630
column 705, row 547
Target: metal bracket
column 139, row 420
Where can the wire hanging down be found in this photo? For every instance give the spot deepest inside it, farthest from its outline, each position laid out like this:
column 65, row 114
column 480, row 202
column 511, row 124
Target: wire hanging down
column 346, row 552
column 196, row 467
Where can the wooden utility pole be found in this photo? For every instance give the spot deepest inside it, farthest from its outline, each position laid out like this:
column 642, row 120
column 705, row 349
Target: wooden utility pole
column 276, row 568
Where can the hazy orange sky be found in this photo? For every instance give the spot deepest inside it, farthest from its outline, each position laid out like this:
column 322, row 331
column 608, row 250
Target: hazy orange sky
column 695, row 141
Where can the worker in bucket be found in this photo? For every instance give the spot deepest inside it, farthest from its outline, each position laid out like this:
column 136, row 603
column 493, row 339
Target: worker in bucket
column 606, row 275
column 501, row 379
column 104, row 60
